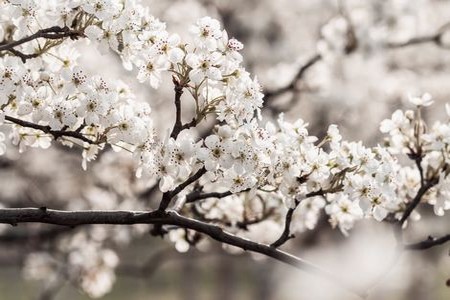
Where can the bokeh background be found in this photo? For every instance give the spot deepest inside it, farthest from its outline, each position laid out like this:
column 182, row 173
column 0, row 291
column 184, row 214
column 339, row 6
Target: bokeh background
column 363, row 76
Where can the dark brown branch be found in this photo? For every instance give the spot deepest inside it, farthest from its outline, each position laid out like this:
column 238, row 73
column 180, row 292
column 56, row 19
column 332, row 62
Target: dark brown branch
column 413, row 204
column 286, row 234
column 75, row 218
column 24, row 57
column 269, row 95
column 190, row 124
column 417, row 157
column 178, row 126
column 428, row 243
column 52, row 33
column 47, row 129
column 167, row 196
column 198, row 195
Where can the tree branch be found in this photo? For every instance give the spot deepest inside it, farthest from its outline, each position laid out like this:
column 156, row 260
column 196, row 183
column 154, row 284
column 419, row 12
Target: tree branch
column 413, row 204
column 198, row 195
column 178, row 126
column 51, row 33
column 24, row 57
column 190, row 124
column 15, row 216
column 286, row 234
column 435, row 38
column 428, row 243
column 415, row 41
column 167, row 196
column 270, row 95
column 47, row 129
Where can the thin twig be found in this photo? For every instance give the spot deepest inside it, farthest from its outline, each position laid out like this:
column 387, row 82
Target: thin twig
column 47, row 129
column 413, row 204
column 291, row 86
column 436, row 38
column 51, row 33
column 197, row 195
column 24, row 57
column 190, row 124
column 168, row 196
column 286, row 234
column 178, row 126
column 428, row 243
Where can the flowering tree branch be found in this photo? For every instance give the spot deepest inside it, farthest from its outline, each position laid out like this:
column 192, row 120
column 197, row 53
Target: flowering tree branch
column 47, row 129
column 24, row 57
column 15, row 216
column 51, row 33
column 244, row 156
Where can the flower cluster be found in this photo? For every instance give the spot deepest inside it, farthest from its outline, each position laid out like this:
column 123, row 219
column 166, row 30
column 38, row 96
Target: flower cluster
column 427, row 146
column 209, row 60
column 95, row 109
column 284, row 164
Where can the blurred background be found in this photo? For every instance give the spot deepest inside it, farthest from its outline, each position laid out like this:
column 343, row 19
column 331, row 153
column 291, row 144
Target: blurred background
column 359, row 60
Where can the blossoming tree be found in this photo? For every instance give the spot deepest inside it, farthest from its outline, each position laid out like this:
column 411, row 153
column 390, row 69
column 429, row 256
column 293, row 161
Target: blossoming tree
column 245, row 172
